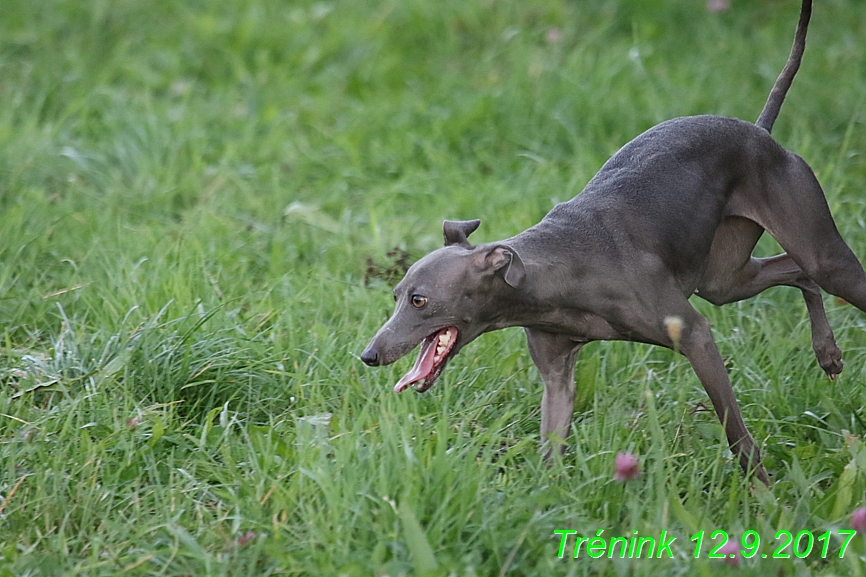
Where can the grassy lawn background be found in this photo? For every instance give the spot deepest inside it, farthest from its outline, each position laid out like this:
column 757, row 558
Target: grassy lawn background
column 189, row 196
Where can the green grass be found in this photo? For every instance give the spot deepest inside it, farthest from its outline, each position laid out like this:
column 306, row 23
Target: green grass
column 190, row 191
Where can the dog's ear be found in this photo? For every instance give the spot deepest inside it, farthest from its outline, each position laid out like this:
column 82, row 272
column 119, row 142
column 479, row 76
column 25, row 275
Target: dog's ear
column 457, row 231
column 501, row 257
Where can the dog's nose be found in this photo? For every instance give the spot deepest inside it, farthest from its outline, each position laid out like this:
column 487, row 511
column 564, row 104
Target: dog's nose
column 370, row 357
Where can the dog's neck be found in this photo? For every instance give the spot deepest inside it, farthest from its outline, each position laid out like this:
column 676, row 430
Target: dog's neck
column 549, row 298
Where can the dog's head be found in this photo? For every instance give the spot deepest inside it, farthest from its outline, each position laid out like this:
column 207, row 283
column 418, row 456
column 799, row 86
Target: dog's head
column 446, row 300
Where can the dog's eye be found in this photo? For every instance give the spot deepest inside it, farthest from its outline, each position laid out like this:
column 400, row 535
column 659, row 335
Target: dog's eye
column 418, row 301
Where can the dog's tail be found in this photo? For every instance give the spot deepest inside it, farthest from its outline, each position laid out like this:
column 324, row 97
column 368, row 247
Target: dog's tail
column 783, row 82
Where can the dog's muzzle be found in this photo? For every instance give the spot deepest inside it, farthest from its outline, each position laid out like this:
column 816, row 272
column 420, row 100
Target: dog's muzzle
column 370, row 357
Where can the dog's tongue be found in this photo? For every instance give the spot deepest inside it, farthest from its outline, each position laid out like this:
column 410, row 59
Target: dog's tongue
column 422, row 365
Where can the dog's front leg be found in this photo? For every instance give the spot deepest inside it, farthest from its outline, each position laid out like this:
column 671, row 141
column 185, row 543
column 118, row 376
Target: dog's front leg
column 554, row 355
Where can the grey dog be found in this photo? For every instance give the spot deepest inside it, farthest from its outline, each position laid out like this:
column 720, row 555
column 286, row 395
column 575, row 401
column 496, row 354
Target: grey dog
column 677, row 211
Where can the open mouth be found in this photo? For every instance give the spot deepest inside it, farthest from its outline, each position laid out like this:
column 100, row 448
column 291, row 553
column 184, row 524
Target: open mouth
column 431, row 361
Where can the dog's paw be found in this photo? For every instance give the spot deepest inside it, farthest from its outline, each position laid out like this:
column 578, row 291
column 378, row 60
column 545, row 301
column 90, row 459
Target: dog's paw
column 830, row 358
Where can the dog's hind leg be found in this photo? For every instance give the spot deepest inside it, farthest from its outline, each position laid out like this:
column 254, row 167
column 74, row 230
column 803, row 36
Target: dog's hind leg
column 647, row 319
column 698, row 346
column 798, row 217
column 554, row 355
column 732, row 275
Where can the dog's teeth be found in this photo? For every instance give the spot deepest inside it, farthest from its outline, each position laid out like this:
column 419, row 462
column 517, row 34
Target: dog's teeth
column 443, row 338
column 439, row 350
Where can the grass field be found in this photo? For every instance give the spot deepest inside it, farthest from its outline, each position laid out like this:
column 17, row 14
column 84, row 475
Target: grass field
column 199, row 208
